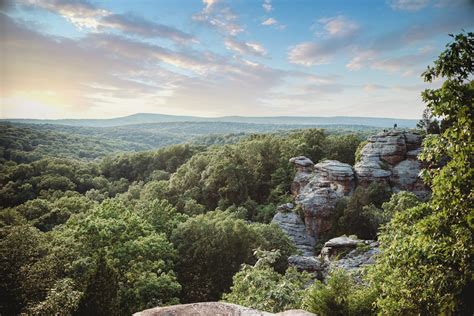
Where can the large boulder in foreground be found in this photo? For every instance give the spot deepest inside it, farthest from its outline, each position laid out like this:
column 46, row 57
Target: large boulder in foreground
column 214, row 308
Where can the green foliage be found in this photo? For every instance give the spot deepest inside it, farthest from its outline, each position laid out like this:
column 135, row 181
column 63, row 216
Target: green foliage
column 20, row 248
column 342, row 147
column 357, row 154
column 340, row 296
column 428, row 123
column 426, row 263
column 145, row 165
column 211, row 247
column 101, row 293
column 83, row 226
column 142, row 257
column 62, row 299
column 360, row 214
column 28, row 143
column 261, row 287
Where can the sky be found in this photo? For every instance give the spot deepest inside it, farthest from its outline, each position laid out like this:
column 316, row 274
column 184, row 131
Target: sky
column 103, row 59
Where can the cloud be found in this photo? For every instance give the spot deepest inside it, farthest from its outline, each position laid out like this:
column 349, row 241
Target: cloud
column 408, row 5
column 209, row 4
column 245, row 48
column 82, row 74
column 84, row 15
column 308, row 54
column 267, row 5
column 221, row 18
column 270, row 21
column 338, row 26
column 109, row 75
column 133, row 24
column 361, row 60
column 339, row 34
column 407, row 65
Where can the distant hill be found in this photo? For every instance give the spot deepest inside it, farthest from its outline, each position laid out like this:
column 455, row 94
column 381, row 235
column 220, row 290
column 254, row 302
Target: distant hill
column 143, row 118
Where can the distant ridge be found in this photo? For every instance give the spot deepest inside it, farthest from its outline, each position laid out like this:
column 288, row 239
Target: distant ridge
column 143, row 118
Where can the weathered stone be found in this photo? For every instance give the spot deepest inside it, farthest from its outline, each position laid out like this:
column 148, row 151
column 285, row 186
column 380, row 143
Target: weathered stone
column 304, row 171
column 318, row 201
column 307, row 263
column 214, row 308
column 348, row 253
column 339, row 175
column 294, row 227
column 335, row 247
column 318, row 190
column 389, row 158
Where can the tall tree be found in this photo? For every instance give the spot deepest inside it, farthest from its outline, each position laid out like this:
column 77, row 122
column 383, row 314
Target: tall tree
column 426, row 266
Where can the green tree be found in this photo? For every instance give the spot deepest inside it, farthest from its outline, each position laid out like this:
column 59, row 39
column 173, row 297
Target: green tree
column 212, row 246
column 101, row 294
column 261, row 287
column 341, row 295
column 426, row 263
column 20, row 248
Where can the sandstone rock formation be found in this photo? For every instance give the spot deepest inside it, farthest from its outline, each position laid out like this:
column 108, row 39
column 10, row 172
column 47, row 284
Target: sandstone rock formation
column 293, row 226
column 391, row 158
column 348, row 253
column 317, row 188
column 214, row 308
column 388, row 157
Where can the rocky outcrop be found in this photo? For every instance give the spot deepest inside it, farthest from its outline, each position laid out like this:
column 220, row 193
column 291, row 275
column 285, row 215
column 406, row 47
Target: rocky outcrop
column 391, row 158
column 304, row 171
column 348, row 253
column 293, row 226
column 214, row 308
column 313, row 264
column 317, row 188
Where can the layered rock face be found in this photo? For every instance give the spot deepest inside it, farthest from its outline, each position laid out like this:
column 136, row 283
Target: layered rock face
column 348, row 253
column 389, row 158
column 317, row 188
column 293, row 226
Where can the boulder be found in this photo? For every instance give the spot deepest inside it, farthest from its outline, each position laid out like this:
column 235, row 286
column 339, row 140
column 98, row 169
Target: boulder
column 214, row 308
column 356, row 259
column 307, row 263
column 294, row 227
column 348, row 253
column 338, row 246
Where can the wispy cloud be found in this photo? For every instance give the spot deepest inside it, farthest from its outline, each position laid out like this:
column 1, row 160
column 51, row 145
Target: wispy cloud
column 221, row 18
column 85, row 15
column 267, row 5
column 338, row 26
column 408, row 5
column 270, row 21
column 245, row 48
column 309, row 54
